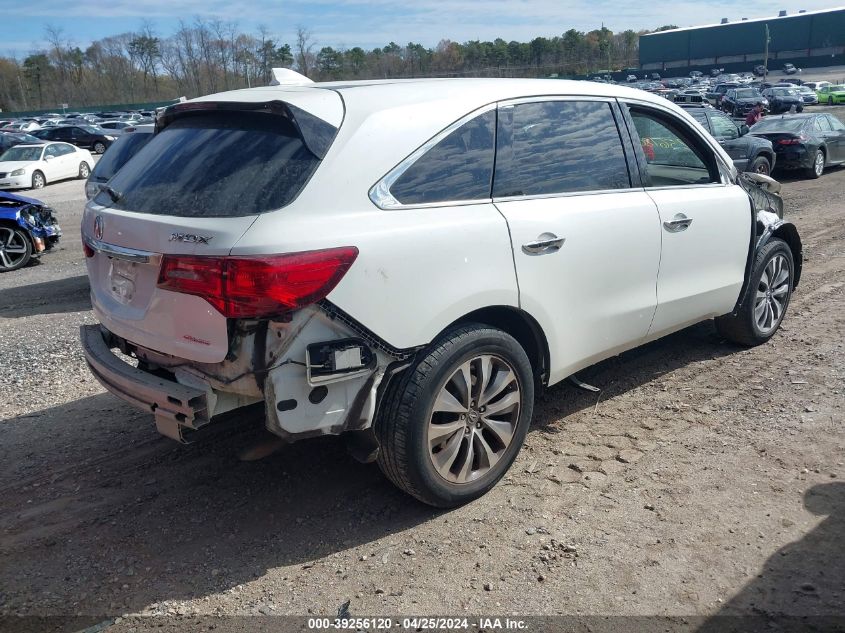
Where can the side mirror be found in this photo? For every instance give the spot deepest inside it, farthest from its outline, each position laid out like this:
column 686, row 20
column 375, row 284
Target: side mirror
column 49, row 157
column 743, row 130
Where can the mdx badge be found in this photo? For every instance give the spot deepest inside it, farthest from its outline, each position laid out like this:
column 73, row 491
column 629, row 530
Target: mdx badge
column 98, row 227
column 190, row 238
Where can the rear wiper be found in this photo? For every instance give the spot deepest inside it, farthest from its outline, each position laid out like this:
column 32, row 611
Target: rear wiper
column 114, row 194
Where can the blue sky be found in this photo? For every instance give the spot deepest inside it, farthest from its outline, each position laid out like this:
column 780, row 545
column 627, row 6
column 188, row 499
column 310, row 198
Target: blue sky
column 368, row 23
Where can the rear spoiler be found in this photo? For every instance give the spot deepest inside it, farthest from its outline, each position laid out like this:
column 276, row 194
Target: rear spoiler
column 316, row 133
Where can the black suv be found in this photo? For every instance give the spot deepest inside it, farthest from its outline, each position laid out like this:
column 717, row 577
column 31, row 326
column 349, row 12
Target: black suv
column 739, row 101
column 747, row 152
column 86, row 136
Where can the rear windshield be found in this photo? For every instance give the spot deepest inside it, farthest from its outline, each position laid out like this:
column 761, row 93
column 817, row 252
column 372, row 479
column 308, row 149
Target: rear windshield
column 118, row 154
column 213, row 164
column 778, row 125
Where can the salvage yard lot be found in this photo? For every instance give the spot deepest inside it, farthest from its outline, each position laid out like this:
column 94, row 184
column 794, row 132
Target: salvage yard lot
column 705, row 479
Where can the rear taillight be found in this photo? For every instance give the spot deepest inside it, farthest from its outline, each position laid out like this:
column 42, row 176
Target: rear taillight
column 89, row 252
column 257, row 287
column 792, row 141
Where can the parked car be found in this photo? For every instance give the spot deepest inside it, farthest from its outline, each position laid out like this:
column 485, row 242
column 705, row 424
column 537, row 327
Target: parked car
column 10, row 139
column 783, row 100
column 817, row 85
column 831, row 94
column 33, row 166
column 21, row 126
column 715, row 72
column 28, row 228
column 631, row 78
column 116, row 156
column 740, row 101
column 240, row 257
column 696, row 74
column 749, row 153
column 809, row 142
column 716, row 94
column 808, row 95
column 115, row 128
column 790, row 69
column 760, row 70
column 655, row 76
column 86, row 136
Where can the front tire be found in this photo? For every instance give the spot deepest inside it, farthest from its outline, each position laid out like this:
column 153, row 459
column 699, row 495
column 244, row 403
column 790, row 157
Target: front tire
column 761, row 165
column 38, row 180
column 766, row 299
column 15, row 249
column 830, row 101
column 817, row 168
column 452, row 424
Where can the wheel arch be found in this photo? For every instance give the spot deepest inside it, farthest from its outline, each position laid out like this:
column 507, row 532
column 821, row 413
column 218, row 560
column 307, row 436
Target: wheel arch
column 520, row 325
column 789, row 234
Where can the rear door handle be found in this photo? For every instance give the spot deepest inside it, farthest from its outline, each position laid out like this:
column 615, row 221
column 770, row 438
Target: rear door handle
column 545, row 243
column 677, row 224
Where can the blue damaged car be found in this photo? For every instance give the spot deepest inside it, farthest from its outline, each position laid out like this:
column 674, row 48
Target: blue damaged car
column 28, row 228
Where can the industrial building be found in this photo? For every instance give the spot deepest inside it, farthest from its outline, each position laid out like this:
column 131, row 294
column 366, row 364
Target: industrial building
column 807, row 39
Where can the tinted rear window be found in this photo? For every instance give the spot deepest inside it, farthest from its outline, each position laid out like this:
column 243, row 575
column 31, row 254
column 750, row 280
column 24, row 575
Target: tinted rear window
column 459, row 167
column 215, row 164
column 118, row 154
column 778, row 125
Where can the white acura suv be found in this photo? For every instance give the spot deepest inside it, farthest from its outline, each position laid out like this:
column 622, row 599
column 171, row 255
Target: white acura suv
column 408, row 262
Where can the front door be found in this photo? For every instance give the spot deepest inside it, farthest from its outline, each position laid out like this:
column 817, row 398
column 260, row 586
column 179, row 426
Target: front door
column 586, row 241
column 705, row 221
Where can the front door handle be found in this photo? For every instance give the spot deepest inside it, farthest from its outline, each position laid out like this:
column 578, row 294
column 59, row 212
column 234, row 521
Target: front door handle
column 545, row 243
column 677, row 224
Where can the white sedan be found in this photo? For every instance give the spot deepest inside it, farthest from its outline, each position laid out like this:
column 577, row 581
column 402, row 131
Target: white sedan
column 33, row 166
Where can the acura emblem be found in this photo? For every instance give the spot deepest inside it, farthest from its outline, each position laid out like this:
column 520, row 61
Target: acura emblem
column 98, row 227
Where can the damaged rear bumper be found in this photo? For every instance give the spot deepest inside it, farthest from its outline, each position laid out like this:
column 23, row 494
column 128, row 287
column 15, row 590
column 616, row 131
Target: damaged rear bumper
column 176, row 407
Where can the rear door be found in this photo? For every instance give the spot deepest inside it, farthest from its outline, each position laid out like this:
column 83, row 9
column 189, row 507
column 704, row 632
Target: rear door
column 705, row 220
column 834, row 133
column 194, row 189
column 585, row 237
column 725, row 131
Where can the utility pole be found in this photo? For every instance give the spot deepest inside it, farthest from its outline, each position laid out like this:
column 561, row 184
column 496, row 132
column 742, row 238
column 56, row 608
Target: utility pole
column 766, row 54
column 23, row 94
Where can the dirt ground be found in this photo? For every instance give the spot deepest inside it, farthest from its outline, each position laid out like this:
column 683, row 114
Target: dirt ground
column 706, row 479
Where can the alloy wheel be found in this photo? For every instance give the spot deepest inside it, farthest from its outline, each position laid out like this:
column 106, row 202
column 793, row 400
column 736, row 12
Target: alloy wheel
column 763, row 168
column 12, row 248
column 37, row 180
column 772, row 294
column 818, row 164
column 473, row 419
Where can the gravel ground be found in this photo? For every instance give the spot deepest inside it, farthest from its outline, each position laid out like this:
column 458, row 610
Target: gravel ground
column 706, row 479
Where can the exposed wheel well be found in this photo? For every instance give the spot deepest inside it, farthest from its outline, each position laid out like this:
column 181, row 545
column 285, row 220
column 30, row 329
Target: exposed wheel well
column 520, row 325
column 789, row 234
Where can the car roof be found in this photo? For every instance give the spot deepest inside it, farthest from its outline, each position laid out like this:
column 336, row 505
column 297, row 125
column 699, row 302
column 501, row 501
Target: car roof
column 377, row 95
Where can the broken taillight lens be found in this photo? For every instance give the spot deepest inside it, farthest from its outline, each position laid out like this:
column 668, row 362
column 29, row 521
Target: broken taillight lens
column 260, row 286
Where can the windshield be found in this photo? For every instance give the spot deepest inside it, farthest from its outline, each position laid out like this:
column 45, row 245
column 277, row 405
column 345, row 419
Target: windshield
column 837, row 88
column 90, row 129
column 747, row 94
column 22, row 154
column 119, row 154
column 213, row 164
column 778, row 125
column 783, row 92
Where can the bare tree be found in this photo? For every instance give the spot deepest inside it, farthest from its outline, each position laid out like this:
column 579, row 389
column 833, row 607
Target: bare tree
column 304, row 50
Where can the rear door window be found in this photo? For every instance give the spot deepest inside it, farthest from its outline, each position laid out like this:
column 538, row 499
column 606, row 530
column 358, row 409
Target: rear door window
column 552, row 147
column 213, row 164
column 459, row 167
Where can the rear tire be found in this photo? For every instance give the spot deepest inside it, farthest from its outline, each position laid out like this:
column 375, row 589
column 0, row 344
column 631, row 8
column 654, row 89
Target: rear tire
column 766, row 298
column 817, row 168
column 84, row 170
column 99, row 147
column 439, row 439
column 830, row 101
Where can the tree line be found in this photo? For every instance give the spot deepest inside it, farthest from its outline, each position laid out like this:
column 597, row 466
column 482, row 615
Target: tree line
column 207, row 56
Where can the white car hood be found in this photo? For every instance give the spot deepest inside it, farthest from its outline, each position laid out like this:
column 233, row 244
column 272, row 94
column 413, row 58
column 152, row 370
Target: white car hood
column 10, row 166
